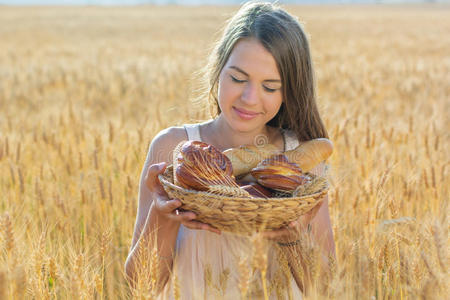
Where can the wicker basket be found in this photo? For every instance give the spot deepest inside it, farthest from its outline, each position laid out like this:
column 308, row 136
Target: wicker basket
column 239, row 214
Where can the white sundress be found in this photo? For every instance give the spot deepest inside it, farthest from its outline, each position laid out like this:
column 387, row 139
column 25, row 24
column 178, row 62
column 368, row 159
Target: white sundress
column 206, row 264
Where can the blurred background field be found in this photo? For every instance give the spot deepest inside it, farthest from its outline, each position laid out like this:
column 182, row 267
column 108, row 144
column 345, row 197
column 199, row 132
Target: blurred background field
column 84, row 89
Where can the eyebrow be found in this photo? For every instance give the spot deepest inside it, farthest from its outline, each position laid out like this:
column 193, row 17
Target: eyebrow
column 243, row 72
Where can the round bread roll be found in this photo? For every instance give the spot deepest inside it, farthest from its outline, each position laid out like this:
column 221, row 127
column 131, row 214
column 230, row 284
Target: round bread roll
column 200, row 165
column 245, row 158
column 277, row 173
column 311, row 153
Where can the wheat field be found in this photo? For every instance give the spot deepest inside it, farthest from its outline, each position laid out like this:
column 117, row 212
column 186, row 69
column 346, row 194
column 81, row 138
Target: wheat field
column 83, row 91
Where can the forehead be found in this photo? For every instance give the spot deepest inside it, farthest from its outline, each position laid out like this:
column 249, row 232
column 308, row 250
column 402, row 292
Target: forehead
column 251, row 56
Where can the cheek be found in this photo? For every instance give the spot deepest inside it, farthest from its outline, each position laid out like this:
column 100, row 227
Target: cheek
column 221, row 94
column 273, row 105
column 226, row 93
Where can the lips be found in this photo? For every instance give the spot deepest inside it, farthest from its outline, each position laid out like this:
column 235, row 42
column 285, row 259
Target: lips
column 247, row 112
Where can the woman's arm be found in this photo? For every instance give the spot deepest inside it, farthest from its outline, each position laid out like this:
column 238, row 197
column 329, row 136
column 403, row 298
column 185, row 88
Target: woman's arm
column 159, row 151
column 153, row 227
column 157, row 223
column 159, row 233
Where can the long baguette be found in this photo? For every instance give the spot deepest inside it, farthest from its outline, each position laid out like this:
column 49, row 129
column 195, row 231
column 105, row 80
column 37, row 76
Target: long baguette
column 309, row 154
column 245, row 158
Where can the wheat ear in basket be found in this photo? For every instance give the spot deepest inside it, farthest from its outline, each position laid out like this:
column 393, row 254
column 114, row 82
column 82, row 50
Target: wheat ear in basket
column 243, row 214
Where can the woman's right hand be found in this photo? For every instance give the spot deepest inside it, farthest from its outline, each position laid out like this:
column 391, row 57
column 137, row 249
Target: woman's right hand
column 168, row 208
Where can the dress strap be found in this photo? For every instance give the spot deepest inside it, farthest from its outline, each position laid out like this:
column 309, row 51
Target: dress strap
column 193, row 132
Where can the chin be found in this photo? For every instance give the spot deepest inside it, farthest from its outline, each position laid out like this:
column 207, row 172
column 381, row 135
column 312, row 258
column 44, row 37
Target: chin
column 246, row 125
column 242, row 125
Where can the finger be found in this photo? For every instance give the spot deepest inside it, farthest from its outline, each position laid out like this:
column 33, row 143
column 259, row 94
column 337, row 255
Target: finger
column 276, row 234
column 167, row 206
column 193, row 224
column 213, row 229
column 183, row 216
column 295, row 227
column 293, row 224
column 151, row 179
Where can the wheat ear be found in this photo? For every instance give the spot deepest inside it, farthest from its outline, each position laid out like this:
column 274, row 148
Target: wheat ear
column 228, row 191
column 315, row 185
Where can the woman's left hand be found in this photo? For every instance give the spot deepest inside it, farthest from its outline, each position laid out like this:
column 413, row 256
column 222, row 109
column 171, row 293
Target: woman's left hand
column 291, row 232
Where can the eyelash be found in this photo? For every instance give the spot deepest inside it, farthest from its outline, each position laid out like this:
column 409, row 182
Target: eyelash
column 269, row 90
column 236, row 80
column 242, row 81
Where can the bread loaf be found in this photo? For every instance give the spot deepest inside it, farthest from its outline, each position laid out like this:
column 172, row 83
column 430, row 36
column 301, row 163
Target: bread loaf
column 277, row 173
column 199, row 166
column 245, row 158
column 309, row 154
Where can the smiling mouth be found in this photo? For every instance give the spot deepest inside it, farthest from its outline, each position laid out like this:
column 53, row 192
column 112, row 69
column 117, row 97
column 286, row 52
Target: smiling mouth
column 246, row 112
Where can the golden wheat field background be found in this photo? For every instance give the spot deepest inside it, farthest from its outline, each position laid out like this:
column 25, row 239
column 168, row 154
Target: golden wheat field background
column 83, row 91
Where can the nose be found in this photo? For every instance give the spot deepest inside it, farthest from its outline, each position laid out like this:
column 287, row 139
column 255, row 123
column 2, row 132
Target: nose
column 250, row 94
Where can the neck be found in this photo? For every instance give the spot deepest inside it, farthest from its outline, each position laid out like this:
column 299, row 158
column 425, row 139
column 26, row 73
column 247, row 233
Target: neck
column 228, row 137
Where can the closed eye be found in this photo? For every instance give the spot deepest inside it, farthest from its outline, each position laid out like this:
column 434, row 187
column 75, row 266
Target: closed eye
column 234, row 79
column 269, row 89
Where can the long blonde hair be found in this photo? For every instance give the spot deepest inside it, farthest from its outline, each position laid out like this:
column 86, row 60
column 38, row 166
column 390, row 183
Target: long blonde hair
column 282, row 35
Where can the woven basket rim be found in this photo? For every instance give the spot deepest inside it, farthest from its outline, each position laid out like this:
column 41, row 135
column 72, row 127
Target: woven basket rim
column 166, row 182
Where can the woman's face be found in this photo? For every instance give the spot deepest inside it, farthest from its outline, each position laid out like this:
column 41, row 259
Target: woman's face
column 249, row 86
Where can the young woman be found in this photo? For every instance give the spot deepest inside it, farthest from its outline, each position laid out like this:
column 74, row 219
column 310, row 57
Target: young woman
column 261, row 82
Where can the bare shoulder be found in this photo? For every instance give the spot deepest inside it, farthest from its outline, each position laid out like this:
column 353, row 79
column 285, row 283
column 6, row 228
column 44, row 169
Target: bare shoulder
column 163, row 143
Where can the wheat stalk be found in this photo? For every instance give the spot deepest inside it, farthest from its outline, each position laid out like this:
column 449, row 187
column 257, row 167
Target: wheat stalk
column 440, row 247
column 3, row 287
column 8, row 233
column 176, row 287
column 244, row 277
column 315, row 185
column 259, row 261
